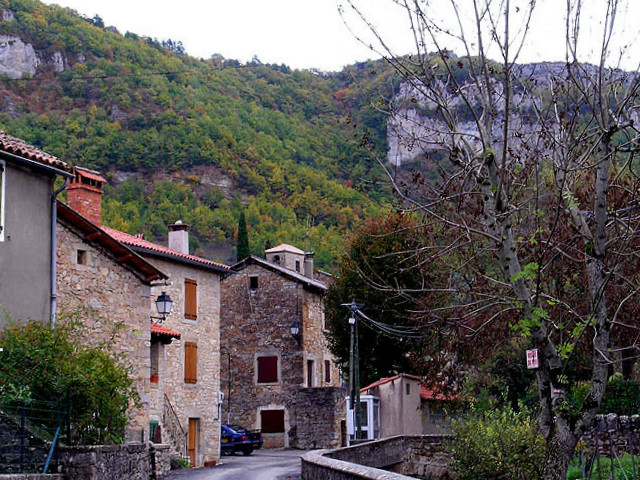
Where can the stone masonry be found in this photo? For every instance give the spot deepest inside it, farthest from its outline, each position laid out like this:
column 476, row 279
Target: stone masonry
column 197, row 401
column 113, row 304
column 256, row 322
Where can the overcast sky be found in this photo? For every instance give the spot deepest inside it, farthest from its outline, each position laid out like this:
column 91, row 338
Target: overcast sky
column 302, row 33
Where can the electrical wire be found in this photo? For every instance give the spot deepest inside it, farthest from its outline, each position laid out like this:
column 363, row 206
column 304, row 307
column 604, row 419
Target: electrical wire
column 396, row 331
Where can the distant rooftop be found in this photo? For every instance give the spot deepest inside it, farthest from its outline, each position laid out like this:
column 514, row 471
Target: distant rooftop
column 137, row 242
column 283, row 247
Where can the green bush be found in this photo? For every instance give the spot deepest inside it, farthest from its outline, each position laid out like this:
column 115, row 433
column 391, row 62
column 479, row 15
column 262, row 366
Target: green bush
column 498, row 444
column 621, row 396
column 41, row 364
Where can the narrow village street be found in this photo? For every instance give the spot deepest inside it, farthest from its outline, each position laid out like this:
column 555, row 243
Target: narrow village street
column 261, row 465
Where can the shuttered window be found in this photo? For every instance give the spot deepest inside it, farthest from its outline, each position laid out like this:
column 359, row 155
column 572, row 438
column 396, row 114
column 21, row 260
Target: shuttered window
column 190, row 299
column 327, row 371
column 268, row 369
column 272, row 421
column 190, row 362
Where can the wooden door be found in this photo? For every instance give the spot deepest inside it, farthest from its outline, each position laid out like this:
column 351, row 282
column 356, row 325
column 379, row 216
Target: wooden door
column 192, row 442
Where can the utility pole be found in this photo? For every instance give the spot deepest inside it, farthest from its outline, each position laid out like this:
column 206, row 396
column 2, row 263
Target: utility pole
column 354, row 369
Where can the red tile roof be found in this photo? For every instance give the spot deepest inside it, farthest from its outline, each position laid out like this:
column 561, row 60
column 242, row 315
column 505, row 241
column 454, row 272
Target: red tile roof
column 21, row 148
column 135, row 241
column 91, row 174
column 157, row 329
column 437, row 394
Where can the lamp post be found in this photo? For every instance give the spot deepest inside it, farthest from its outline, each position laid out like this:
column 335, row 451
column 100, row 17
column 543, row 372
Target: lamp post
column 163, row 306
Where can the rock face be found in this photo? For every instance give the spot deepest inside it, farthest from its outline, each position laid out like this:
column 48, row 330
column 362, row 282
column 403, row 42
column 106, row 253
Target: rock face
column 17, row 58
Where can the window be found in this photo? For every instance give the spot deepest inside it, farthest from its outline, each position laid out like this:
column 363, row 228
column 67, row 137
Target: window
column 298, row 266
column 408, row 389
column 1, row 201
column 155, row 361
column 82, row 257
column 272, row 421
column 327, row 371
column 276, row 259
column 190, row 299
column 268, row 369
column 253, row 283
column 310, row 372
column 190, row 362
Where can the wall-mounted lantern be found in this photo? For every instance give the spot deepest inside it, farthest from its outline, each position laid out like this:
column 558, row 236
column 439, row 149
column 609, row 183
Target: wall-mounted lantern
column 163, row 305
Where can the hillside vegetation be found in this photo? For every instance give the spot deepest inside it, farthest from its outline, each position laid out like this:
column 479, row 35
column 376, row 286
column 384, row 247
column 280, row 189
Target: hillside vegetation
column 198, row 140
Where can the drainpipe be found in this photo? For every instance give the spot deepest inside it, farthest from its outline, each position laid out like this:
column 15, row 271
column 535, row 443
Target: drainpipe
column 54, row 235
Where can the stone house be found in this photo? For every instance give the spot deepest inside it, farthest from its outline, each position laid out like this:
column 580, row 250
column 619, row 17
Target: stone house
column 108, row 287
column 27, row 239
column 404, row 405
column 279, row 375
column 183, row 349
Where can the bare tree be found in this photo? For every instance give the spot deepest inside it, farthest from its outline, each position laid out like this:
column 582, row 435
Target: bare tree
column 532, row 176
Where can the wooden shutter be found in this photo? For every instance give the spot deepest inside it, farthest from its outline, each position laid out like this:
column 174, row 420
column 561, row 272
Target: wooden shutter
column 327, row 371
column 190, row 299
column 268, row 369
column 192, row 442
column 190, row 362
column 272, row 421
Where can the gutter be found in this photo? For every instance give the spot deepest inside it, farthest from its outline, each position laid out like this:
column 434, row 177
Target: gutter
column 54, row 243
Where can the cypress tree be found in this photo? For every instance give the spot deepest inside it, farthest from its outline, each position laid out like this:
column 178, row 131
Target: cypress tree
column 242, row 244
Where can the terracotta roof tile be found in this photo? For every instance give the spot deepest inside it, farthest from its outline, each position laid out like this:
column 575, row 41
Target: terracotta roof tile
column 91, row 174
column 382, row 381
column 21, row 148
column 139, row 242
column 158, row 329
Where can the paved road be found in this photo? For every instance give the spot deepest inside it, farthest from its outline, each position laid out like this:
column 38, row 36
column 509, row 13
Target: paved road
column 262, row 465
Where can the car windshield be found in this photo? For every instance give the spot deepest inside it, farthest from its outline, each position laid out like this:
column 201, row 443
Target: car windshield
column 237, row 428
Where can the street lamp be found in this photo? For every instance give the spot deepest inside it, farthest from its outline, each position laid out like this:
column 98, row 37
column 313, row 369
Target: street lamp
column 163, row 305
column 295, row 330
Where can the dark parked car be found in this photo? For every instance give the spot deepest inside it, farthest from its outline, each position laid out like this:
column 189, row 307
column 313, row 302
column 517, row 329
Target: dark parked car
column 238, row 439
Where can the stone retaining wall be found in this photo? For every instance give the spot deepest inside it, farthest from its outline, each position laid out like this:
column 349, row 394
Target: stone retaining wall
column 131, row 462
column 391, row 458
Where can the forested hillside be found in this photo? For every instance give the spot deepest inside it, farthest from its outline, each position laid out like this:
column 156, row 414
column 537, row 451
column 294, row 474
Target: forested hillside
column 198, row 140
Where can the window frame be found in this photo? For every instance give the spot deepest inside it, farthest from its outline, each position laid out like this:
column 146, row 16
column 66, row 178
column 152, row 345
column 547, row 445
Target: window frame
column 327, row 371
column 278, row 373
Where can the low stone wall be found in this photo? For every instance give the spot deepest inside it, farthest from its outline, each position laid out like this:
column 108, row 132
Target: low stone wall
column 32, row 476
column 393, row 458
column 131, row 462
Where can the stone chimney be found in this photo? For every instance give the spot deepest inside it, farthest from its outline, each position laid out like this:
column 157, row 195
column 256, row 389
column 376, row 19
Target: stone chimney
column 84, row 194
column 179, row 237
column 308, row 264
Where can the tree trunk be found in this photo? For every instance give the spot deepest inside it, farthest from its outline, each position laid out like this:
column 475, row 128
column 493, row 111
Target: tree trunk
column 560, row 448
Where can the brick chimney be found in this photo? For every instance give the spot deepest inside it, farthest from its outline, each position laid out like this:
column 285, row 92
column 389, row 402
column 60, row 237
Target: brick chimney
column 179, row 237
column 84, row 194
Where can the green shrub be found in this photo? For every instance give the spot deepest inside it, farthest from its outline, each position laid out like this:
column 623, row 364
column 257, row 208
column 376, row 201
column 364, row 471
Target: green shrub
column 624, row 468
column 41, row 364
column 498, row 444
column 621, row 396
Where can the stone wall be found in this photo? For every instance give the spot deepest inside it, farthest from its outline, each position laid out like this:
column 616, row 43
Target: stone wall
column 318, row 415
column 197, row 401
column 256, row 322
column 113, row 304
column 393, row 458
column 613, row 432
column 131, row 462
